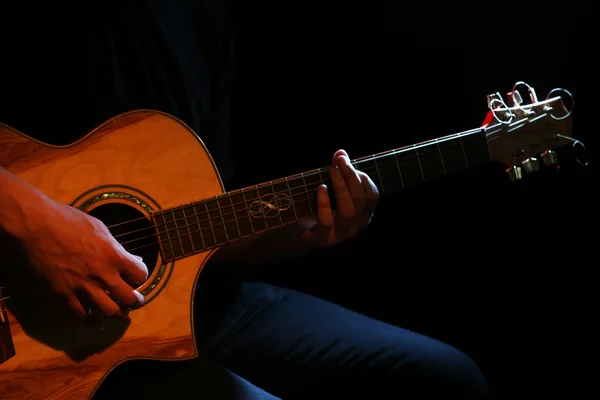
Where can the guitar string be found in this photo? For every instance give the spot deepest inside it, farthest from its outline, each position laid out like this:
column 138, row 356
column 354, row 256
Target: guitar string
column 325, row 169
column 383, row 173
column 188, row 234
column 189, row 231
column 220, row 209
column 219, row 218
column 221, row 215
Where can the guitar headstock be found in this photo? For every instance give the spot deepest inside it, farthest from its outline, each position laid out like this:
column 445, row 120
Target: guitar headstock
column 520, row 136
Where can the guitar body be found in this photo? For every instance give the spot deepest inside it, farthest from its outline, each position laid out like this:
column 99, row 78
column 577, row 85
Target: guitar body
column 138, row 162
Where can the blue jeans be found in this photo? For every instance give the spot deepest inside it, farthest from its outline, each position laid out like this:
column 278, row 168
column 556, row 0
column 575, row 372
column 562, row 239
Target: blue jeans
column 265, row 342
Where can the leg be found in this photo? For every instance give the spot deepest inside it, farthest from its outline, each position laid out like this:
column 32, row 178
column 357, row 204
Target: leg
column 298, row 346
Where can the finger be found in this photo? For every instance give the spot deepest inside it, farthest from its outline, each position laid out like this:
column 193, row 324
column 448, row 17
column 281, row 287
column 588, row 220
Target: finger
column 99, row 297
column 123, row 294
column 322, row 229
column 132, row 268
column 339, row 153
column 344, row 203
column 324, row 211
column 371, row 195
column 353, row 182
column 76, row 305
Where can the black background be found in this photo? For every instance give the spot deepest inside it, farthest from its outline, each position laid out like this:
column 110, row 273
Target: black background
column 503, row 271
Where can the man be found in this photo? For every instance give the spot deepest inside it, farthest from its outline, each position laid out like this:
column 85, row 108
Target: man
column 175, row 56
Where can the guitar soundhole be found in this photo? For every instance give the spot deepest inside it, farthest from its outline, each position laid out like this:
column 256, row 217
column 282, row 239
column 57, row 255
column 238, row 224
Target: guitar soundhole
column 132, row 229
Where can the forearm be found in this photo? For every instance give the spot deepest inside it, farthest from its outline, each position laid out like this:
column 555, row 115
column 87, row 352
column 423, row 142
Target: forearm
column 19, row 204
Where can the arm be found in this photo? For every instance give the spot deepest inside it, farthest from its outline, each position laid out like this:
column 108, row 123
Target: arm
column 73, row 251
column 19, row 204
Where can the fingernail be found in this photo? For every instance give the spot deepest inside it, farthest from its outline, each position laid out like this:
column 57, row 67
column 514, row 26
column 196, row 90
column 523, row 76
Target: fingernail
column 343, row 160
column 140, row 297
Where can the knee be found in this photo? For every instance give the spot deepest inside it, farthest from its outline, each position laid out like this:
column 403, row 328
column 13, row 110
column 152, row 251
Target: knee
column 442, row 371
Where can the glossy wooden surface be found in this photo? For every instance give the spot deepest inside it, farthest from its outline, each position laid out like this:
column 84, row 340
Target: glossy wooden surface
column 57, row 356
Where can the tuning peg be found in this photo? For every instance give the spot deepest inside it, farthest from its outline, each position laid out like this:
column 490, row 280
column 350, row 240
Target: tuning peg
column 532, row 164
column 549, row 157
column 494, row 98
column 515, row 173
column 515, row 98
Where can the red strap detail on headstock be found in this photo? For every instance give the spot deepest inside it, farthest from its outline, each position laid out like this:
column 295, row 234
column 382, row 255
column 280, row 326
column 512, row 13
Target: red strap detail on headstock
column 488, row 118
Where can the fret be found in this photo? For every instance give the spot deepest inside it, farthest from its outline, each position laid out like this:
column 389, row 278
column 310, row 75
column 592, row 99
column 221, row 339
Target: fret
column 313, row 180
column 278, row 202
column 453, row 155
column 398, row 168
column 410, row 167
column 242, row 213
column 205, row 224
column 437, row 144
column 217, row 227
column 220, row 219
column 165, row 237
column 462, row 146
column 181, row 233
column 189, row 231
column 229, row 218
column 383, row 171
column 289, row 192
column 252, row 198
column 419, row 162
column 323, row 176
column 173, row 235
column 177, row 232
column 430, row 161
column 476, row 148
column 378, row 174
column 198, row 229
column 284, row 203
column 266, row 207
column 194, row 231
column 305, row 195
column 299, row 195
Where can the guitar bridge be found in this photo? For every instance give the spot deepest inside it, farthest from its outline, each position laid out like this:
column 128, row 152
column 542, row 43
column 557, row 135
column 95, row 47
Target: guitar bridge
column 7, row 348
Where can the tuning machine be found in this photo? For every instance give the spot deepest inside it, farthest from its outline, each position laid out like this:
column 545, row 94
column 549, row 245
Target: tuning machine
column 515, row 173
column 496, row 104
column 531, row 165
column 549, row 157
column 516, row 100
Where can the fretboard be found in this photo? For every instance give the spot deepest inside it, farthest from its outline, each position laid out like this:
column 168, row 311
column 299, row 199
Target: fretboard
column 209, row 223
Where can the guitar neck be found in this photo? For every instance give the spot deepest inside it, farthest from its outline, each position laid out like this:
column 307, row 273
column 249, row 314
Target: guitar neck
column 214, row 222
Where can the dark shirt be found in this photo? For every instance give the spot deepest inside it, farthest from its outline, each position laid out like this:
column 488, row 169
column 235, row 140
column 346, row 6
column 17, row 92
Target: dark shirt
column 65, row 70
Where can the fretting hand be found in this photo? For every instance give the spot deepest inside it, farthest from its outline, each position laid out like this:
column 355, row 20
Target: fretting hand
column 356, row 199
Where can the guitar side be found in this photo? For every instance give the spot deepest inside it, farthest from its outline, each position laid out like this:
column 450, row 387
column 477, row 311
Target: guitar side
column 145, row 159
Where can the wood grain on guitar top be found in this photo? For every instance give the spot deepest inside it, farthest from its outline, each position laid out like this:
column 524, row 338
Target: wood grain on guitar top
column 58, row 356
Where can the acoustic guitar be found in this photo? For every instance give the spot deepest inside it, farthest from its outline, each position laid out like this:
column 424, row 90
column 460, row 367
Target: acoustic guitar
column 151, row 180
